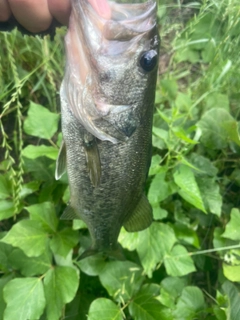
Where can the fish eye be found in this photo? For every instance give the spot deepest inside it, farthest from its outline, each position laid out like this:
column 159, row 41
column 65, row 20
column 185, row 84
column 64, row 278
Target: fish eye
column 148, row 60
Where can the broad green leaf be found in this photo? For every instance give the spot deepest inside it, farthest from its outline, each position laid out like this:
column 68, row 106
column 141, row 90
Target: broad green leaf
column 5, row 187
column 210, row 194
column 25, row 299
column 6, row 209
column 178, row 263
column 154, row 244
column 218, row 128
column 45, row 214
column 60, row 287
column 203, row 164
column 63, row 241
column 29, row 188
column 155, row 167
column 40, row 168
column 217, row 100
column 33, row 152
column 79, row 224
column 5, row 251
column 234, row 300
column 171, row 289
column 159, row 189
column 104, row 309
column 145, row 306
column 3, row 281
column 190, row 304
column 169, row 89
column 128, row 240
column 29, row 236
column 122, row 279
column 186, row 234
column 232, row 230
column 30, row 266
column 40, row 122
column 232, row 273
column 189, row 189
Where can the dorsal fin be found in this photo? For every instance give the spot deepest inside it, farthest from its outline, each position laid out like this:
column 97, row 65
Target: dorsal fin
column 61, row 161
column 92, row 158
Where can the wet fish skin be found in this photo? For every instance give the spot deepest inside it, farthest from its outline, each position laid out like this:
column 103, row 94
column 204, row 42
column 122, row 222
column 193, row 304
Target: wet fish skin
column 108, row 151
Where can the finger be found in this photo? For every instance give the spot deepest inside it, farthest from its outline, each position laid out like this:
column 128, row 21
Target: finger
column 33, row 15
column 5, row 11
column 60, row 10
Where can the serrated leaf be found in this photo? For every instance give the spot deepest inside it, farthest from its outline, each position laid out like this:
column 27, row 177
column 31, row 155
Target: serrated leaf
column 159, row 189
column 232, row 230
column 145, row 306
column 106, row 309
column 128, row 240
column 40, row 122
column 29, row 236
column 45, row 214
column 179, row 263
column 6, row 209
column 33, row 152
column 121, row 279
column 60, row 287
column 25, row 299
column 154, row 243
column 30, row 266
column 203, row 164
column 190, row 304
column 63, row 241
column 189, row 189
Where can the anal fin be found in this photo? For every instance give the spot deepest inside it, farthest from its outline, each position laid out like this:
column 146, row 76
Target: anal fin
column 141, row 217
column 69, row 214
column 61, row 161
column 92, row 158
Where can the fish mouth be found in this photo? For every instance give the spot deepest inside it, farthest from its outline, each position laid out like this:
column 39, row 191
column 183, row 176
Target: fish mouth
column 99, row 27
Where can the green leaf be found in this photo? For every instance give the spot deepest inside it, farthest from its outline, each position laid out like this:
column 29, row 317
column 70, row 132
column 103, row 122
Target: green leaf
column 145, row 306
column 33, row 152
column 29, row 188
column 6, row 209
column 171, row 289
column 128, row 240
column 121, row 279
column 78, row 224
column 5, row 251
column 232, row 273
column 5, row 187
column 40, row 168
column 189, row 190
column 45, row 214
column 190, row 304
column 3, row 281
column 60, row 287
column 159, row 189
column 106, row 309
column 63, row 241
column 154, row 244
column 186, row 234
column 179, row 263
column 234, row 300
column 232, row 230
column 29, row 267
column 29, row 236
column 40, row 122
column 25, row 299
column 218, row 127
column 210, row 194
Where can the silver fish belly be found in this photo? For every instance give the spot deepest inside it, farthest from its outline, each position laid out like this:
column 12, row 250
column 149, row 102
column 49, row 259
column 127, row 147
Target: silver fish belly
column 107, row 100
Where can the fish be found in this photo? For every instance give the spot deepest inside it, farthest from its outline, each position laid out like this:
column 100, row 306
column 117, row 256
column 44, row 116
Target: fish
column 107, row 103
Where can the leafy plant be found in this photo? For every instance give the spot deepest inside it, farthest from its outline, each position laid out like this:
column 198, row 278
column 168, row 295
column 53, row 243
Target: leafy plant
column 186, row 265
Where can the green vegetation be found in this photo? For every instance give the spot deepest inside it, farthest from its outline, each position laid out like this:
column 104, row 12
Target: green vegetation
column 187, row 264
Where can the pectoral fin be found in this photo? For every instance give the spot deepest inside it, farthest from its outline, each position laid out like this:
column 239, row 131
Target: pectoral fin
column 141, row 218
column 61, row 161
column 92, row 158
column 69, row 214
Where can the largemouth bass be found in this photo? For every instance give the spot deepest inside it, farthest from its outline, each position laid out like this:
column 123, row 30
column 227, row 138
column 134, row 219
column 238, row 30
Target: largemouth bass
column 107, row 100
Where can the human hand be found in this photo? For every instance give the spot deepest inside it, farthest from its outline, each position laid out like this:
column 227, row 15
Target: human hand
column 35, row 15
